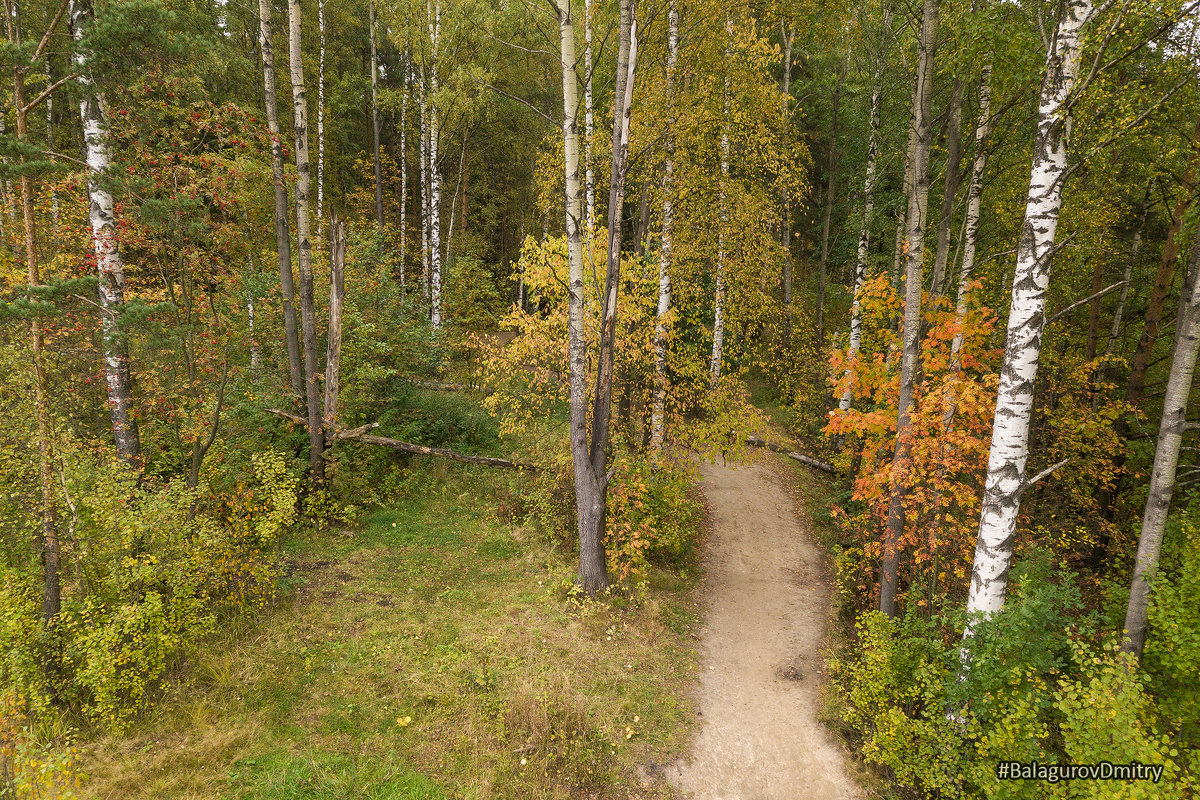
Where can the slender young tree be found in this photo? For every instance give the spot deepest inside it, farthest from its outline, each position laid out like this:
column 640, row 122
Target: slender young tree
column 308, row 312
column 949, row 188
column 718, row 345
column 914, row 260
column 974, row 201
column 404, row 179
column 659, row 411
column 333, row 342
column 589, row 67
column 321, row 100
column 864, row 232
column 785, row 229
column 109, row 267
column 283, row 239
column 435, row 182
column 831, row 168
column 375, row 117
column 1006, row 479
column 1135, row 247
column 52, row 596
column 1166, row 457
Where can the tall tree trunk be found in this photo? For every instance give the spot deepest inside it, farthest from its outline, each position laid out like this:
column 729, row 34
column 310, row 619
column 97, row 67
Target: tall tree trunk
column 283, row 241
column 435, row 182
column 829, row 189
column 864, row 233
column 914, row 258
column 1166, row 457
column 1005, row 479
column 52, row 602
column 974, row 198
column 592, row 571
column 718, row 346
column 321, row 101
column 949, row 188
column 308, row 312
column 903, row 222
column 424, row 148
column 659, row 411
column 404, row 182
column 785, row 229
column 588, row 121
column 375, row 118
column 333, row 344
column 1134, row 248
column 109, row 267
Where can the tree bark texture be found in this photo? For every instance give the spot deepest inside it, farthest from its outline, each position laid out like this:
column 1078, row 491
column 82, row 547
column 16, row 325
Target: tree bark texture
column 283, row 240
column 718, row 346
column 914, row 259
column 1005, row 480
column 949, row 188
column 659, row 410
column 375, row 118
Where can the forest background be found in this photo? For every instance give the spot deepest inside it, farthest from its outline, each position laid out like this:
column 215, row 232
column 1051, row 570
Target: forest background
column 261, row 264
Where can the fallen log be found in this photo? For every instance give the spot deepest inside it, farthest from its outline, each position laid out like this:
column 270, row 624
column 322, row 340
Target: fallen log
column 361, row 434
column 809, row 461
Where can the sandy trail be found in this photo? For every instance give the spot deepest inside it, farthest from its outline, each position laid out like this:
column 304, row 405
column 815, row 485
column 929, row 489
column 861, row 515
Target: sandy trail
column 759, row 682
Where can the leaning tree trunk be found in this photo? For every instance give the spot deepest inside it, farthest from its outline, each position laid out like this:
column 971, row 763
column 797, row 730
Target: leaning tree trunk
column 949, row 188
column 1005, row 479
column 659, row 412
column 914, row 258
column 718, row 345
column 109, row 267
column 864, row 233
column 308, row 312
column 1166, row 457
column 283, row 241
column 375, row 118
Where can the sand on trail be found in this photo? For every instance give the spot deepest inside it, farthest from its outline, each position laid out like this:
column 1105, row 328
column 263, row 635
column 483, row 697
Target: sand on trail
column 760, row 677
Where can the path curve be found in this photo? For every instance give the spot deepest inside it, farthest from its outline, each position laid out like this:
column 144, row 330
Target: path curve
column 760, row 680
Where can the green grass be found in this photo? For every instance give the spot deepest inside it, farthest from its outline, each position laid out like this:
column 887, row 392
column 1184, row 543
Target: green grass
column 431, row 652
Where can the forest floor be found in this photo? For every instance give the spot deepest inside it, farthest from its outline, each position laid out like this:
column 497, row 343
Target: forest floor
column 431, row 651
column 761, row 679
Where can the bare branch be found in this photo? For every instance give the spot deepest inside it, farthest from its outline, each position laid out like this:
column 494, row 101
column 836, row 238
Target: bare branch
column 1088, row 299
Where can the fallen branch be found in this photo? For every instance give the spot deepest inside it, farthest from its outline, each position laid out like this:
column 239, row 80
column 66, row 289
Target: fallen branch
column 417, row 449
column 361, row 434
column 808, row 461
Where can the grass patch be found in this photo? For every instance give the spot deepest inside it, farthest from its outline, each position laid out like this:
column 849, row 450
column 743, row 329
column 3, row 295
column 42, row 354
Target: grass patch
column 430, row 653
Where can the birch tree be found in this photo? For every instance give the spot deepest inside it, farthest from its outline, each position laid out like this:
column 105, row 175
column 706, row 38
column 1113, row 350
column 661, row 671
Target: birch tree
column 1006, row 479
column 914, row 259
column 375, row 117
column 658, row 413
column 308, row 312
column 1166, row 457
column 283, row 239
column 321, row 100
column 974, row 201
column 109, row 266
column 435, row 184
column 714, row 367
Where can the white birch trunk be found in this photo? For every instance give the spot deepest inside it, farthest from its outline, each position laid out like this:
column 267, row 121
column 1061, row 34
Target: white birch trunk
column 109, row 266
column 658, row 412
column 321, row 105
column 864, row 233
column 404, row 181
column 974, row 198
column 254, row 356
column 435, row 184
column 714, row 367
column 588, row 120
column 424, row 148
column 375, row 118
column 1005, row 480
column 1166, row 458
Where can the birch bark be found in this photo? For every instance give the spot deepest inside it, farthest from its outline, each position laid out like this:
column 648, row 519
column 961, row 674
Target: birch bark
column 374, row 119
column 718, row 346
column 435, row 184
column 658, row 413
column 588, row 120
column 1005, row 479
column 974, row 198
column 864, row 234
column 283, row 239
column 321, row 103
column 109, row 267
column 914, row 259
column 308, row 313
column 1166, row 458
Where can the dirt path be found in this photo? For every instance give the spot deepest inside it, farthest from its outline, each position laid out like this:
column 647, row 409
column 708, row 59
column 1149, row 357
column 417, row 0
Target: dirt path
column 760, row 679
